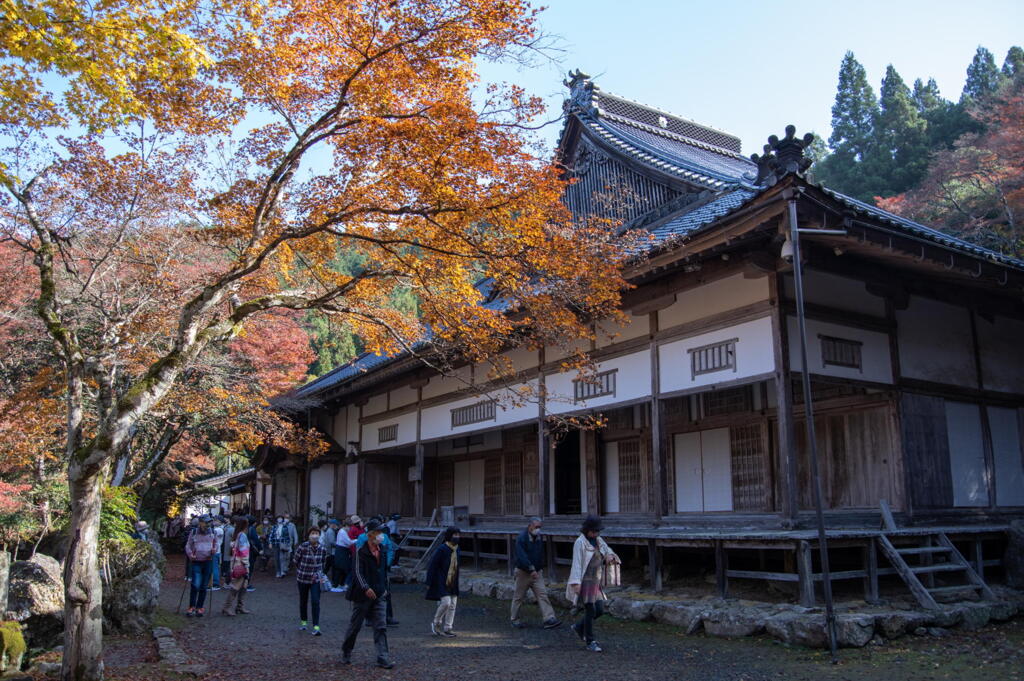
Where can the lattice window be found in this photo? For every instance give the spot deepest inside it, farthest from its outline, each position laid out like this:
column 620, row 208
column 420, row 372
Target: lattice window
column 840, row 352
column 598, row 386
column 727, row 401
column 514, row 483
column 713, row 357
column 631, row 477
column 387, row 433
column 474, row 413
column 749, row 468
column 492, row 486
column 445, row 483
column 620, row 419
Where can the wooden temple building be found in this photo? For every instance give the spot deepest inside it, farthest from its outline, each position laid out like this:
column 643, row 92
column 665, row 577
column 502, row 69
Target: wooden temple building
column 913, row 340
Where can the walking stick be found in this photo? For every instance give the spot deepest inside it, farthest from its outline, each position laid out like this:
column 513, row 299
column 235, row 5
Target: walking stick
column 181, row 599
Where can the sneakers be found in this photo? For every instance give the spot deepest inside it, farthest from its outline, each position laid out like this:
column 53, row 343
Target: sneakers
column 337, row 590
column 593, row 647
column 448, row 633
column 517, row 624
column 191, row 612
column 578, row 629
column 214, row 588
column 385, row 664
column 316, row 630
column 433, row 628
column 250, row 589
column 200, row 612
column 552, row 623
column 302, row 625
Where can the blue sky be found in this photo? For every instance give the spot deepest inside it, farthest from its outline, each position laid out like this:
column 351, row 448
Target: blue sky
column 749, row 67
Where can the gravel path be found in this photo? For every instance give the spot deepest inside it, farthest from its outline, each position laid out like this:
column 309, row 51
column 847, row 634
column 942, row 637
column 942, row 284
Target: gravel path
column 268, row 645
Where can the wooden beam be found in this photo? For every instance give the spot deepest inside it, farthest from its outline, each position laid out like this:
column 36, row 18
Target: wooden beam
column 543, row 444
column 418, row 509
column 653, row 305
column 721, row 569
column 871, row 568
column 654, row 564
column 805, row 571
column 657, row 442
column 786, row 439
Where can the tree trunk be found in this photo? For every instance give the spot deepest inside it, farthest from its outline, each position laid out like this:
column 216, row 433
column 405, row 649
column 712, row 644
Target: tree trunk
column 83, row 590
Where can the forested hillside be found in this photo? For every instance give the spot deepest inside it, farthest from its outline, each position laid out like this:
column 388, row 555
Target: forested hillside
column 957, row 166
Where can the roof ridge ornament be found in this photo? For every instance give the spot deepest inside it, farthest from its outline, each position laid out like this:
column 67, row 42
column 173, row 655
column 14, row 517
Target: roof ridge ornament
column 581, row 92
column 782, row 157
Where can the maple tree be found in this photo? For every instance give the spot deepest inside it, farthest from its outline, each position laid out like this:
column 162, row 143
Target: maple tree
column 372, row 137
column 976, row 189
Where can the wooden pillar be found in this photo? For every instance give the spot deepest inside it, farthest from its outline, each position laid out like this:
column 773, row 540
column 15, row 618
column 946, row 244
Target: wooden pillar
column 721, row 568
column 549, row 547
column 509, row 548
column 657, row 444
column 418, row 509
column 977, row 557
column 805, row 569
column 543, row 444
column 476, row 551
column 871, row 571
column 654, row 563
column 786, row 440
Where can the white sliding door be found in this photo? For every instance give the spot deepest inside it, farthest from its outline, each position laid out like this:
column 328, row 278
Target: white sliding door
column 966, row 454
column 703, row 471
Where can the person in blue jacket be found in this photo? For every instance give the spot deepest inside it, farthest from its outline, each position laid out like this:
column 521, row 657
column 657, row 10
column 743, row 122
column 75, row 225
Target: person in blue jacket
column 443, row 583
column 529, row 575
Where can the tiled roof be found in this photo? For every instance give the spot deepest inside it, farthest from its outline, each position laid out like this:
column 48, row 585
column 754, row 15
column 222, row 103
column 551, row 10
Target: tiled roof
column 692, row 221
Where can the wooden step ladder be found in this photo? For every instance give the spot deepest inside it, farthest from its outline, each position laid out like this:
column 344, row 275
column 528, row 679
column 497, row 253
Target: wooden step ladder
column 422, row 542
column 931, row 555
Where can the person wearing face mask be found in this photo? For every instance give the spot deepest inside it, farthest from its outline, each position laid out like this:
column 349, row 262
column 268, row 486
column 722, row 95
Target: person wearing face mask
column 282, row 540
column 309, row 573
column 591, row 558
column 529, row 560
column 263, row 532
column 200, row 549
column 368, row 594
column 443, row 583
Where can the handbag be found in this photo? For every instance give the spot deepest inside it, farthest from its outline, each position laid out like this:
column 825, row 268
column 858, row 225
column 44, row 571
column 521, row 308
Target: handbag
column 238, row 570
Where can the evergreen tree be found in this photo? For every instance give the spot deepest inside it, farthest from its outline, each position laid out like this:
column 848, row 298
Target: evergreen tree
column 983, row 78
column 899, row 153
column 1013, row 65
column 927, row 97
column 853, row 114
column 333, row 344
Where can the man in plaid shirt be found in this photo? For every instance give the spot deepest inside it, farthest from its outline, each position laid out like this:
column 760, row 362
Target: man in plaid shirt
column 309, row 571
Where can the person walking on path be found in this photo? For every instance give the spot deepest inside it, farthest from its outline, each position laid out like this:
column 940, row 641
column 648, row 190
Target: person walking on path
column 256, row 547
column 283, row 544
column 342, row 559
column 309, row 573
column 225, row 554
column 369, row 598
column 529, row 560
column 591, row 557
column 238, row 569
column 218, row 532
column 329, row 538
column 443, row 583
column 200, row 550
column 390, row 550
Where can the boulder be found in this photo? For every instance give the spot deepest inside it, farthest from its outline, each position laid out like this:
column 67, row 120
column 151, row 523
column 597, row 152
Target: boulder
column 5, row 574
column 484, row 588
column 686, row 617
column 504, row 591
column 975, row 616
column 1013, row 559
column 1002, row 611
column 36, row 600
column 946, row 617
column 13, row 652
column 730, row 622
column 895, row 624
column 629, row 609
column 852, row 631
column 130, row 601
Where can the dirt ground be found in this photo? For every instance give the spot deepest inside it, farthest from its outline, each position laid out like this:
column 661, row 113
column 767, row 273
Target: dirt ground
column 268, row 645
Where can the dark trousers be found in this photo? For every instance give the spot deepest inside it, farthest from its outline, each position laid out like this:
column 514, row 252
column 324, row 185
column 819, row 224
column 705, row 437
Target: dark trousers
column 309, row 592
column 340, row 568
column 591, row 611
column 390, row 611
column 201, row 571
column 374, row 613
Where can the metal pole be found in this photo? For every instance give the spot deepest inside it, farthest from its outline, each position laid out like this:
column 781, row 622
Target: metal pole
column 812, row 442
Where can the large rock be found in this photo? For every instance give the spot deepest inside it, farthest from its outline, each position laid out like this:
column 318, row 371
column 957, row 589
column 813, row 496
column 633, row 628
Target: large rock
column 730, row 622
column 36, row 600
column 686, row 617
column 852, row 631
column 484, row 588
column 629, row 609
column 129, row 603
column 975, row 616
column 5, row 574
column 1013, row 559
column 895, row 624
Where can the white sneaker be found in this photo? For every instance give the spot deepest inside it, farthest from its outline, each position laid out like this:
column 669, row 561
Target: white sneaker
column 337, row 590
column 433, row 629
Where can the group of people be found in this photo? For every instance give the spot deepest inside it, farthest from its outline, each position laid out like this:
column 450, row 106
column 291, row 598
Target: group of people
column 354, row 557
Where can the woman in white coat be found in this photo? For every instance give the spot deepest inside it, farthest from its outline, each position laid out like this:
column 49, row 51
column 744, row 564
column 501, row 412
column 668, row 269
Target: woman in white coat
column 591, row 557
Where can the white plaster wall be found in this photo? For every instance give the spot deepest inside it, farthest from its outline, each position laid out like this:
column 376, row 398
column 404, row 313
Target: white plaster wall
column 716, row 297
column 406, row 432
column 553, row 353
column 321, row 489
column 1002, row 360
column 512, row 407
column 633, row 381
column 401, row 397
column 754, row 355
column 935, row 342
column 609, row 332
column 841, row 293
column 876, row 363
column 351, row 488
column 442, row 385
column 375, row 405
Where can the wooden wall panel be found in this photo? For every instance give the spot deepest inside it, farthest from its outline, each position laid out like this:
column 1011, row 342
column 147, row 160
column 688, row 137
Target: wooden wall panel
column 926, row 451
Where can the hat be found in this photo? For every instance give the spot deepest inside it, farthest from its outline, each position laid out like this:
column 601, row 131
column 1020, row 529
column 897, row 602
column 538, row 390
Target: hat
column 205, row 518
column 592, row 524
column 373, row 526
column 333, row 521
column 354, row 519
column 396, row 516
column 141, row 525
